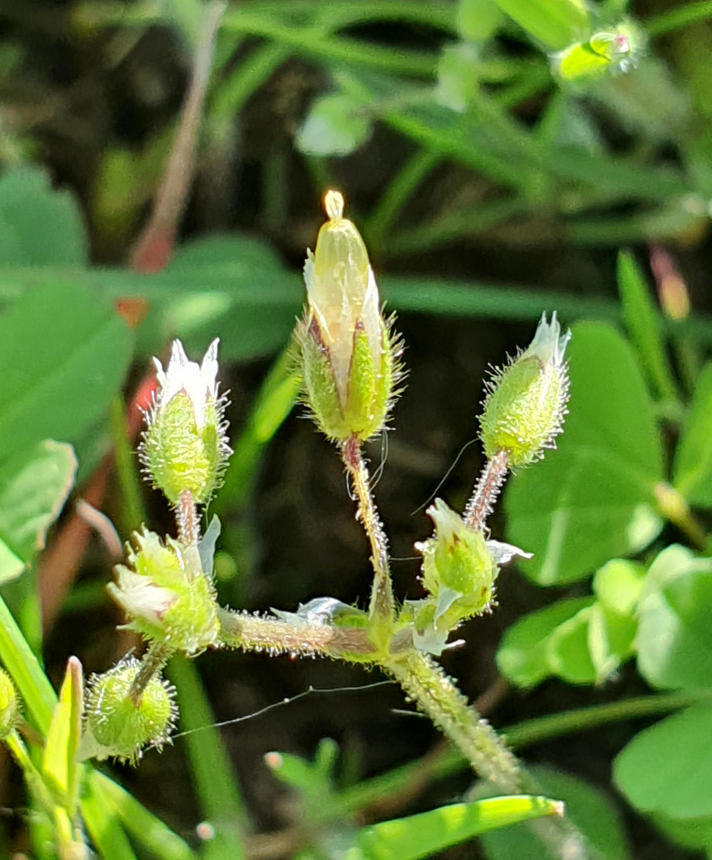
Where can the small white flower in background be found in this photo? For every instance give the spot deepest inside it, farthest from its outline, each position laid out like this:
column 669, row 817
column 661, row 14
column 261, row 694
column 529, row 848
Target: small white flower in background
column 185, row 446
column 198, row 381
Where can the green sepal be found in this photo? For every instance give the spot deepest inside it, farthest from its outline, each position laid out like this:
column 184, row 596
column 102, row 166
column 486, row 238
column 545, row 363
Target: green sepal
column 116, row 726
column 179, row 455
column 319, row 388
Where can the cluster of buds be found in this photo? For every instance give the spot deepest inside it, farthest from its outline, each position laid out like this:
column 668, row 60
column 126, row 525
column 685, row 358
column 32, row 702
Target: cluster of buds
column 348, row 356
column 459, row 572
column 120, row 725
column 524, row 409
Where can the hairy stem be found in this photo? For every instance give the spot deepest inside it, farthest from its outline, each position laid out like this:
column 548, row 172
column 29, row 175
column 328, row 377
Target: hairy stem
column 152, row 662
column 187, row 519
column 382, row 604
column 436, row 694
column 274, row 636
column 486, row 491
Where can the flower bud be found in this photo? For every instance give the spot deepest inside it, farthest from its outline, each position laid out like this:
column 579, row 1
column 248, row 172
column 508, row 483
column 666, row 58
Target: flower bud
column 616, row 50
column 184, row 447
column 9, row 705
column 526, row 400
column 459, row 572
column 348, row 356
column 115, row 725
column 165, row 594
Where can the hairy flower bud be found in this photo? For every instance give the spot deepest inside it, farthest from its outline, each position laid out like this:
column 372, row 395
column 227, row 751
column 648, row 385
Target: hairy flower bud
column 526, row 400
column 615, row 50
column 165, row 594
column 184, row 446
column 116, row 726
column 347, row 353
column 459, row 572
column 9, row 705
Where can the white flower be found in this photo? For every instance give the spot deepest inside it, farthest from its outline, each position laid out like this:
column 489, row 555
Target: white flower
column 198, row 381
column 548, row 345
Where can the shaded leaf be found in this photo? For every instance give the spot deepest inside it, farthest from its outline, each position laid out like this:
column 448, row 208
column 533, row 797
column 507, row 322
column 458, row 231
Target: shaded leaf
column 63, row 355
column 34, row 485
column 337, row 124
column 667, row 768
column 38, row 225
column 589, row 810
column 674, row 638
column 523, row 655
column 692, row 468
column 593, row 498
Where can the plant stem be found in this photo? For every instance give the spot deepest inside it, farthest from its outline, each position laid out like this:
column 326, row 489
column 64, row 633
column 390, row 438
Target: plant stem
column 187, row 519
column 488, row 487
column 132, row 511
column 252, row 633
column 436, row 694
column 674, row 508
column 382, row 606
column 151, row 663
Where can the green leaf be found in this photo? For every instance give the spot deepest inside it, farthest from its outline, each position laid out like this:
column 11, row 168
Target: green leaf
column 554, row 23
column 567, row 651
column 34, row 485
column 523, row 654
column 644, row 324
column 458, row 75
column 337, row 124
column 63, row 356
column 692, row 468
column 610, row 640
column 618, row 584
column 674, row 632
column 38, row 225
column 589, row 811
column 478, row 20
column 422, row 835
column 208, row 289
column 667, row 768
column 593, row 498
column 59, row 762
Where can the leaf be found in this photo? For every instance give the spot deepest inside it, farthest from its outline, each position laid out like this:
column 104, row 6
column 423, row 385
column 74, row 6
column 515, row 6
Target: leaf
column 478, row 20
column 424, row 834
column 644, row 324
column 204, row 293
column 34, row 485
column 567, row 652
column 38, row 225
column 667, row 768
column 63, row 356
column 523, row 654
column 618, row 585
column 59, row 761
column 457, row 75
column 674, row 639
column 692, row 468
column 610, row 640
column 593, row 498
column 336, row 124
column 589, row 811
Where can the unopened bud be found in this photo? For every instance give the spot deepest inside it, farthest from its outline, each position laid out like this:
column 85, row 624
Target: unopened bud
column 9, row 705
column 166, row 596
column 348, row 355
column 184, row 446
column 526, row 400
column 459, row 572
column 116, row 726
column 616, row 50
